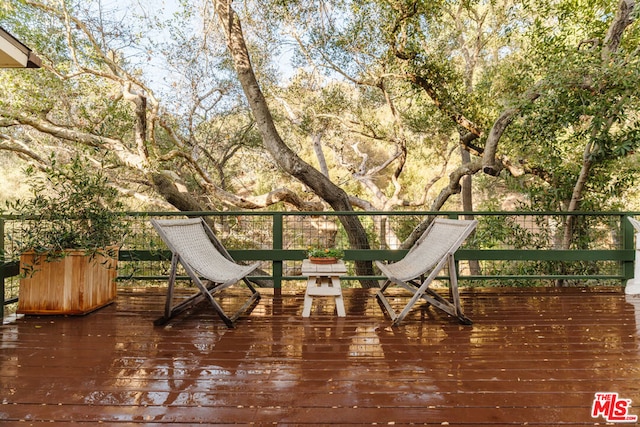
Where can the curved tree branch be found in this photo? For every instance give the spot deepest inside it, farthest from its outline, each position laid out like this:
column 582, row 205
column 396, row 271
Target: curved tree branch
column 489, row 163
column 117, row 147
column 624, row 18
column 454, row 187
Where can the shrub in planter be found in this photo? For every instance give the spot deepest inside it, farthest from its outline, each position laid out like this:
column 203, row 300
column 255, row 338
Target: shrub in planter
column 324, row 255
column 68, row 240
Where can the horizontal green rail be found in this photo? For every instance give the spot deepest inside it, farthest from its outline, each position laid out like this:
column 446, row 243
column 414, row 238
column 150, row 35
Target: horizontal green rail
column 546, row 255
column 395, row 255
column 621, row 255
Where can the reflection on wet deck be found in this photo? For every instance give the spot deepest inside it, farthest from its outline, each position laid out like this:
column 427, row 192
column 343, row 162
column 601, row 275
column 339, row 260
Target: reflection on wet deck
column 533, row 356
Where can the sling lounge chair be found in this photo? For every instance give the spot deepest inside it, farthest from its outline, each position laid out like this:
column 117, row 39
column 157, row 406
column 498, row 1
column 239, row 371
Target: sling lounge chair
column 431, row 253
column 208, row 264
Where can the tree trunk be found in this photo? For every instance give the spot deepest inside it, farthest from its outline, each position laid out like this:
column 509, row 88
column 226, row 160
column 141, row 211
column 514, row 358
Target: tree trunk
column 467, row 203
column 282, row 154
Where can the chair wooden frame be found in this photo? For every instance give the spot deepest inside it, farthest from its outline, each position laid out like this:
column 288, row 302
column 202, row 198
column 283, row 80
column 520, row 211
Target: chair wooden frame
column 431, row 253
column 208, row 264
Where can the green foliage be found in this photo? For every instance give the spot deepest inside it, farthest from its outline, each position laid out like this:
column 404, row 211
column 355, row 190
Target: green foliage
column 358, row 57
column 325, row 253
column 586, row 115
column 69, row 208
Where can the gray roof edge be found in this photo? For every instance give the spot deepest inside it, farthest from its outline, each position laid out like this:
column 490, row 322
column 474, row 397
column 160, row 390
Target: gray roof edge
column 33, row 61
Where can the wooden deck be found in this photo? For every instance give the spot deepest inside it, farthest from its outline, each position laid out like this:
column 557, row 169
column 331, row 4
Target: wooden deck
column 532, row 357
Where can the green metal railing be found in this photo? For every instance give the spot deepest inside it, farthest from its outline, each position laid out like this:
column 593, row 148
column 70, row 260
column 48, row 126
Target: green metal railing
column 515, row 248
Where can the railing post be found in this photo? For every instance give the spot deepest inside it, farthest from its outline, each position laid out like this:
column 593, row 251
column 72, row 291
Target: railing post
column 277, row 245
column 631, row 240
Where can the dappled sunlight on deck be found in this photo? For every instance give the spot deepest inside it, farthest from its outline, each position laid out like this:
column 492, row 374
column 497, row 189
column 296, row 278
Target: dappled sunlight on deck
column 533, row 356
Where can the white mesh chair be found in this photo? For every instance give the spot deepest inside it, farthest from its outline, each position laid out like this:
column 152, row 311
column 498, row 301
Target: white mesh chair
column 433, row 251
column 208, row 264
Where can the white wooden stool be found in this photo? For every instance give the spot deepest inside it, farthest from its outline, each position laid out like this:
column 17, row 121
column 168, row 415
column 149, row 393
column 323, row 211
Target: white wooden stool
column 323, row 281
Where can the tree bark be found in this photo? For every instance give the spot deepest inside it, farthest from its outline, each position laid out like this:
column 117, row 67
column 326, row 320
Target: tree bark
column 182, row 201
column 489, row 163
column 624, row 18
column 283, row 155
column 316, row 140
column 467, row 202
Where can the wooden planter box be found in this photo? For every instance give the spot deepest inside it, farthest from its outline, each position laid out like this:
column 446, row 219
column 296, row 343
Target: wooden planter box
column 74, row 284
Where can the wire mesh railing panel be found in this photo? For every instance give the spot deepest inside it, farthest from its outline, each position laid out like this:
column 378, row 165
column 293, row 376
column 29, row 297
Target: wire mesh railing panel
column 236, row 231
column 544, row 231
column 12, row 237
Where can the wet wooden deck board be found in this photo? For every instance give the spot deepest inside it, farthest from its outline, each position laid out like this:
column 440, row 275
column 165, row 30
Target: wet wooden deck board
column 532, row 357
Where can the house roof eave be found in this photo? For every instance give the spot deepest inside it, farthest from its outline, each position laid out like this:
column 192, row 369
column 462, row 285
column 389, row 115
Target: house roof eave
column 14, row 54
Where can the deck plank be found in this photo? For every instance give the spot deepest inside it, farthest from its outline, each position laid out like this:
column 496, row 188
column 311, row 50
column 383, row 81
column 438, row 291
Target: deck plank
column 532, row 357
